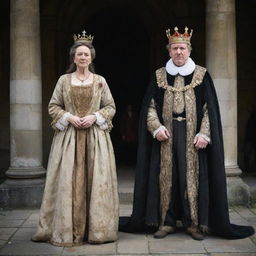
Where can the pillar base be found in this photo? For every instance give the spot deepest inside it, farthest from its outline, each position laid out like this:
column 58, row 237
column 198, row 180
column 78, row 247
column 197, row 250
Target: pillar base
column 23, row 188
column 237, row 190
column 25, row 172
column 19, row 193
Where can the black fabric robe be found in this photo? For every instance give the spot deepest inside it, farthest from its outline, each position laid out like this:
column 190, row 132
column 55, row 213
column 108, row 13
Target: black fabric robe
column 213, row 203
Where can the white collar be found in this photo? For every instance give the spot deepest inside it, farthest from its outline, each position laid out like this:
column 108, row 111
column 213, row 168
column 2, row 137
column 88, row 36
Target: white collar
column 184, row 70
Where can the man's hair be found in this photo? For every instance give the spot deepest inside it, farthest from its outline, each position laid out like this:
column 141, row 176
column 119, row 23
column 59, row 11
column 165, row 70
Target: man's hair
column 168, row 46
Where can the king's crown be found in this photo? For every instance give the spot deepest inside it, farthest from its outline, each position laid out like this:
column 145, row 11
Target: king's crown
column 83, row 37
column 176, row 37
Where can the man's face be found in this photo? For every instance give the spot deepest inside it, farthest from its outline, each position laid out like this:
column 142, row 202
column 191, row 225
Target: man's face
column 179, row 53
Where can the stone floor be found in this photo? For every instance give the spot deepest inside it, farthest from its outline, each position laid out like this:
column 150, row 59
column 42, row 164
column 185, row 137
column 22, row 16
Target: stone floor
column 17, row 226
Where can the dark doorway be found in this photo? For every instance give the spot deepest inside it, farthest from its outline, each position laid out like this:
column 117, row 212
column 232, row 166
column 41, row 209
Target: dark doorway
column 123, row 58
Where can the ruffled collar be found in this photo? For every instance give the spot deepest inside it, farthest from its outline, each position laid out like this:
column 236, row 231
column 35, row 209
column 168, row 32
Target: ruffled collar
column 184, row 70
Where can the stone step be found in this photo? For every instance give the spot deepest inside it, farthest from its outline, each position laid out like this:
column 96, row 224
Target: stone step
column 125, row 175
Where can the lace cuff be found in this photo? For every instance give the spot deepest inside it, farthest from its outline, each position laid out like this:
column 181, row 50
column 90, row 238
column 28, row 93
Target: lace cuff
column 157, row 130
column 62, row 123
column 101, row 121
column 204, row 136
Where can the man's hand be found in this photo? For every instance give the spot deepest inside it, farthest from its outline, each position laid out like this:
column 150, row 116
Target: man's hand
column 200, row 142
column 88, row 121
column 162, row 135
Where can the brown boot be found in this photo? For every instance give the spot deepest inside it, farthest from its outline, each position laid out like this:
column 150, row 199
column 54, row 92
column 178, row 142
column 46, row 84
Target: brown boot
column 160, row 234
column 195, row 233
column 164, row 231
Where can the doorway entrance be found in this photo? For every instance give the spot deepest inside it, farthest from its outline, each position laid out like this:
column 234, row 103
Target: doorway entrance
column 123, row 58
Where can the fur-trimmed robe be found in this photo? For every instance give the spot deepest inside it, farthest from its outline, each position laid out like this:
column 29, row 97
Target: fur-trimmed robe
column 206, row 179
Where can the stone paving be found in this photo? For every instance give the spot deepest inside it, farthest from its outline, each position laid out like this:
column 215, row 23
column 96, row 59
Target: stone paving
column 17, row 226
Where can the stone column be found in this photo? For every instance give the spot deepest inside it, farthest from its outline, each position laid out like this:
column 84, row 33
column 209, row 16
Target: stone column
column 25, row 175
column 221, row 63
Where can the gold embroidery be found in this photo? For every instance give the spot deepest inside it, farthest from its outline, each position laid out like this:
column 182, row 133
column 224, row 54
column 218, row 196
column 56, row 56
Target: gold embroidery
column 205, row 124
column 79, row 184
column 197, row 79
column 179, row 101
column 153, row 122
column 81, row 98
column 192, row 155
column 165, row 177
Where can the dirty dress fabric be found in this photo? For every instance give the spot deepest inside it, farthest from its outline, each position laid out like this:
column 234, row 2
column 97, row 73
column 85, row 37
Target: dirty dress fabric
column 80, row 201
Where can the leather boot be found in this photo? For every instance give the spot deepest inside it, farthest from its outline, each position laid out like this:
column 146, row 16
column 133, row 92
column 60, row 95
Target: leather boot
column 195, row 233
column 164, row 231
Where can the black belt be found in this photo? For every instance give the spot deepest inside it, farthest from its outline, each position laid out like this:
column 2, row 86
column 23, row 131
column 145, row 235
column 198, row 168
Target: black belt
column 183, row 114
column 179, row 117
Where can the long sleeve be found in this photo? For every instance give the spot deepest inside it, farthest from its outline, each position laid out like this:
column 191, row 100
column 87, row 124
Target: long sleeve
column 56, row 107
column 205, row 130
column 153, row 123
column 107, row 105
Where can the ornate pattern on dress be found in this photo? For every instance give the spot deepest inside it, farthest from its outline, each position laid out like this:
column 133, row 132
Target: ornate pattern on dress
column 81, row 99
column 80, row 199
column 165, row 178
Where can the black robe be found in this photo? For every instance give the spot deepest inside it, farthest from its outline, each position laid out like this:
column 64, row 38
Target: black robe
column 212, row 201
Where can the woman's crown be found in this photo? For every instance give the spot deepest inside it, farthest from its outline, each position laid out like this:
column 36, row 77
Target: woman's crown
column 176, row 37
column 83, row 37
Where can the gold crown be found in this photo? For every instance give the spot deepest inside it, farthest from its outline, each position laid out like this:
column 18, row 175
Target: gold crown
column 83, row 37
column 176, row 37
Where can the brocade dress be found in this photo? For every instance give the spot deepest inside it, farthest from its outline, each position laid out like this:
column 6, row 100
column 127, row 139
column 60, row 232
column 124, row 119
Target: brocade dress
column 80, row 201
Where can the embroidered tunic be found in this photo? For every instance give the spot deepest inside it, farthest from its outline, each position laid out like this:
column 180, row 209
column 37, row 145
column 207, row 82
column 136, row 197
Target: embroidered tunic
column 177, row 99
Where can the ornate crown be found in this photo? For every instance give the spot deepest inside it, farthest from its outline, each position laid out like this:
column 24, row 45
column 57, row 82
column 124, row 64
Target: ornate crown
column 176, row 37
column 83, row 37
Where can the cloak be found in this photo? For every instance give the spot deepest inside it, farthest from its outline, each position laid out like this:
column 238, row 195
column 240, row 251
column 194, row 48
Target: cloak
column 212, row 194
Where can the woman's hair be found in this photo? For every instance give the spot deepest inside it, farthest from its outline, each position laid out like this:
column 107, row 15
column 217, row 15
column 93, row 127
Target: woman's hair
column 168, row 46
column 72, row 52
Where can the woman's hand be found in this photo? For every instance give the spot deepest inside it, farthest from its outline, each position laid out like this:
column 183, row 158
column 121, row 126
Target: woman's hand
column 88, row 121
column 75, row 121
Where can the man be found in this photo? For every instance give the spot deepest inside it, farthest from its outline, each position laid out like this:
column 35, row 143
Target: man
column 180, row 166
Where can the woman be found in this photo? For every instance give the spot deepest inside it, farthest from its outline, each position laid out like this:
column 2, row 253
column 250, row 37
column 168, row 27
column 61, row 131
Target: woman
column 80, row 201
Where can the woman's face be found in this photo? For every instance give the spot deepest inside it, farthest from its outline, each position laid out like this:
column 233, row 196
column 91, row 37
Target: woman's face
column 82, row 57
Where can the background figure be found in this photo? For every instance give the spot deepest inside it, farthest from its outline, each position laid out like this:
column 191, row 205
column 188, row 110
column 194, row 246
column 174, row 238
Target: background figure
column 180, row 172
column 129, row 131
column 250, row 143
column 80, row 201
